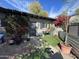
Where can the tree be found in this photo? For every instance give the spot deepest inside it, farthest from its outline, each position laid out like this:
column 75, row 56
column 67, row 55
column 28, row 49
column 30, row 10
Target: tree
column 61, row 20
column 43, row 13
column 68, row 2
column 35, row 7
column 77, row 11
column 14, row 26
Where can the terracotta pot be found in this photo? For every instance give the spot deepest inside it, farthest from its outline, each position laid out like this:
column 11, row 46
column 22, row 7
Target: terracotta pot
column 66, row 49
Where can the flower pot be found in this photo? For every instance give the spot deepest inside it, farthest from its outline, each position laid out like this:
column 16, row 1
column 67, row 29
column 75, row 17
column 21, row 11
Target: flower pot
column 66, row 49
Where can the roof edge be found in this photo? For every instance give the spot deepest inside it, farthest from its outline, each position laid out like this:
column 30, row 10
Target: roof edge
column 10, row 11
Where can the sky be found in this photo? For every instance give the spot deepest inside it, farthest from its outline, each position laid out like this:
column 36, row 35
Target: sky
column 53, row 7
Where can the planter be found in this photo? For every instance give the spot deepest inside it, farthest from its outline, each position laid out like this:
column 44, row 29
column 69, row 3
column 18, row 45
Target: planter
column 66, row 49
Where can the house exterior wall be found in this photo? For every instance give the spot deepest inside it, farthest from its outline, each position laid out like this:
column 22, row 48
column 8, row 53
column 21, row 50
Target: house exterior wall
column 36, row 24
column 1, row 19
column 73, row 30
column 74, row 25
column 74, row 19
column 2, row 28
column 41, row 24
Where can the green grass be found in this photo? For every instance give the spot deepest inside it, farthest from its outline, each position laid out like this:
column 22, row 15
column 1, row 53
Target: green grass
column 51, row 40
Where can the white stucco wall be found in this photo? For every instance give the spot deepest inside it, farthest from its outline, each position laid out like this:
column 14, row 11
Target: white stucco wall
column 74, row 19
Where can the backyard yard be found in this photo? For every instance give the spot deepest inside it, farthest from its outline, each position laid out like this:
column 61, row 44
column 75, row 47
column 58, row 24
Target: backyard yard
column 41, row 53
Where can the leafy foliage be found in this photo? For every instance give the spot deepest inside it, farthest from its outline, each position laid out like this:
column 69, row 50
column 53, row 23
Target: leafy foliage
column 15, row 24
column 61, row 20
column 36, row 8
column 43, row 13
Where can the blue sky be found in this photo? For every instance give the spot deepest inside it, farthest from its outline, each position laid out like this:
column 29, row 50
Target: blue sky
column 53, row 7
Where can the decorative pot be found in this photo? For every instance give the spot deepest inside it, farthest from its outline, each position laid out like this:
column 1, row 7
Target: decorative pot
column 65, row 49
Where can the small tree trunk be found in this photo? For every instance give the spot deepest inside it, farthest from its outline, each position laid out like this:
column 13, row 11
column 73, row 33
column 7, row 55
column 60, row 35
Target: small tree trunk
column 66, row 27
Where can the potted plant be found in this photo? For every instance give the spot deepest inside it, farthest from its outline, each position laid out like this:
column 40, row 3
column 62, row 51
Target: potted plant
column 65, row 48
column 64, row 20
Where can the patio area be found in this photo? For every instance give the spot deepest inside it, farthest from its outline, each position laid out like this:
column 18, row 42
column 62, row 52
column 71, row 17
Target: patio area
column 35, row 49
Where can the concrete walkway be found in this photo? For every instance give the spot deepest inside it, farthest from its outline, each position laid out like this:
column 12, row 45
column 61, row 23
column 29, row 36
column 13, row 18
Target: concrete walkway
column 67, row 56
